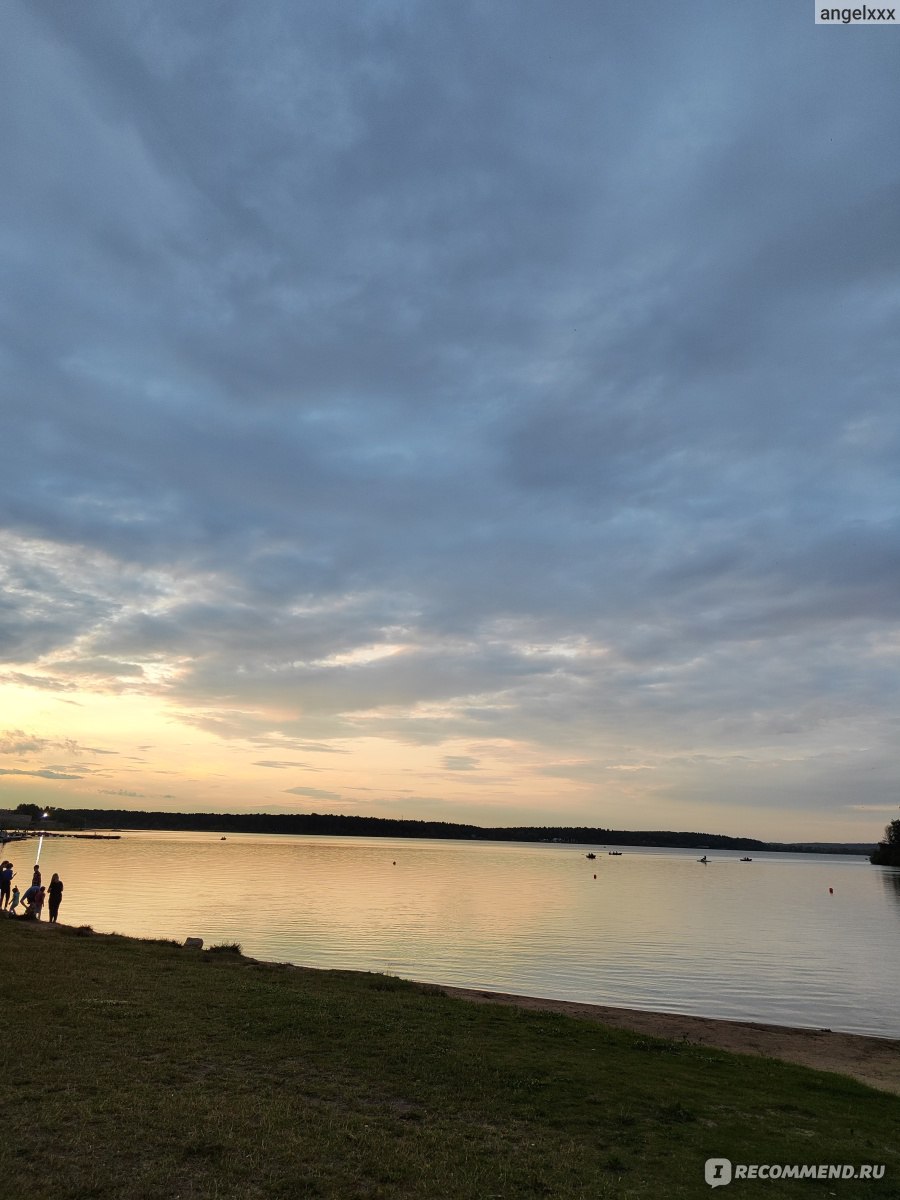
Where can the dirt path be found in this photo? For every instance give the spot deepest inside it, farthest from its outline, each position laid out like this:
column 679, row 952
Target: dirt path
column 871, row 1060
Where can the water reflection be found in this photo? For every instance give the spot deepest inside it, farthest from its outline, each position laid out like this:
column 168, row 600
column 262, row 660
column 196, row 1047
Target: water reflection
column 765, row 940
column 891, row 877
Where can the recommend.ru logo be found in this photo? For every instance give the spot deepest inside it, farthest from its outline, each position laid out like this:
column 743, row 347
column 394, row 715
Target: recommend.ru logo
column 717, row 1171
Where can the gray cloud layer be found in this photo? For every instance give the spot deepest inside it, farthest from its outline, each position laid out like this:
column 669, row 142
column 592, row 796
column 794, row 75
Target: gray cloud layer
column 451, row 371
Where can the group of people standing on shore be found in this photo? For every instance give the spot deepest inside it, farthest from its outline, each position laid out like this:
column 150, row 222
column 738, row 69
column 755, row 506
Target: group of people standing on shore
column 32, row 898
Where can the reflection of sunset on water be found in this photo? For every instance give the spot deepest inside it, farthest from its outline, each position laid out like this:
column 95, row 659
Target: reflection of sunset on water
column 654, row 929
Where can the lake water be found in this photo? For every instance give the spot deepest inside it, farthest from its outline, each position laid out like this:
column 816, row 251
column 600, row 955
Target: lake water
column 655, row 929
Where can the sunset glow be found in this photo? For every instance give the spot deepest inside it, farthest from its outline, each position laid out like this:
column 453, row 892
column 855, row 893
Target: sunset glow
column 506, row 437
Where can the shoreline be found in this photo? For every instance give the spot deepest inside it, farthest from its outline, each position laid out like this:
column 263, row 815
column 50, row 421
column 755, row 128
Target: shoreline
column 344, row 825
column 870, row 1060
column 158, row 1069
column 874, row 1061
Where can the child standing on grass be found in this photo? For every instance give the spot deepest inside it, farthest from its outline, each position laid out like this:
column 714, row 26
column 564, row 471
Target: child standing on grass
column 14, row 903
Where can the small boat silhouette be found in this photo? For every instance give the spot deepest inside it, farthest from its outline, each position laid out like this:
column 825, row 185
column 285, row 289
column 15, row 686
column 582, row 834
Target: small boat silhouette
column 590, row 856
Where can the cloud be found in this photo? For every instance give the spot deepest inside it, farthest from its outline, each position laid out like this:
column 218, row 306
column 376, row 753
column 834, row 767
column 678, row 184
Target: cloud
column 313, row 793
column 99, row 666
column 37, row 681
column 392, row 379
column 42, row 774
column 18, row 742
column 283, row 765
column 459, row 762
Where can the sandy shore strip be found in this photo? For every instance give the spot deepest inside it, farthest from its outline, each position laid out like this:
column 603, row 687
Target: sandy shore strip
column 871, row 1060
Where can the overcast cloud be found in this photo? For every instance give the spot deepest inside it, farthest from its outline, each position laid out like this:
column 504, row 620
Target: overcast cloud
column 508, row 389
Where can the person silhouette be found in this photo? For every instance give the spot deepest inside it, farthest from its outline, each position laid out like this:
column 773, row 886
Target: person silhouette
column 54, row 897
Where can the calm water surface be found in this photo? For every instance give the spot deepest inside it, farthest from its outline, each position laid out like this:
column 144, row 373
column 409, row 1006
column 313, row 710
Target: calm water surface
column 655, row 930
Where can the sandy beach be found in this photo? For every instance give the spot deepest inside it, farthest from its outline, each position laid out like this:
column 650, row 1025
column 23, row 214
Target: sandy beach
column 871, row 1060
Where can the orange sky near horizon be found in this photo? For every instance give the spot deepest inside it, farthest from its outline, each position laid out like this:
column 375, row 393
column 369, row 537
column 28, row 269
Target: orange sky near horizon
column 88, row 749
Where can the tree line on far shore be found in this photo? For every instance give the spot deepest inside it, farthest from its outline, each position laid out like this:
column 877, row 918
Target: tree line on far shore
column 887, row 852
column 339, row 825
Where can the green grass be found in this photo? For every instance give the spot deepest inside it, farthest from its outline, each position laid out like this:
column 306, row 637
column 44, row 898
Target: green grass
column 140, row 1069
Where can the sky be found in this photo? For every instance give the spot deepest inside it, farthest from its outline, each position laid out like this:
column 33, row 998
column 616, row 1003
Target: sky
column 452, row 410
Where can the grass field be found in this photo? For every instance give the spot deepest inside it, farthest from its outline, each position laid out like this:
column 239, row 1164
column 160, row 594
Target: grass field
column 141, row 1069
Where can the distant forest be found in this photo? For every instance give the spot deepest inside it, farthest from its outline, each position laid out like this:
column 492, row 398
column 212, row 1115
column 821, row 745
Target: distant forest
column 336, row 825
